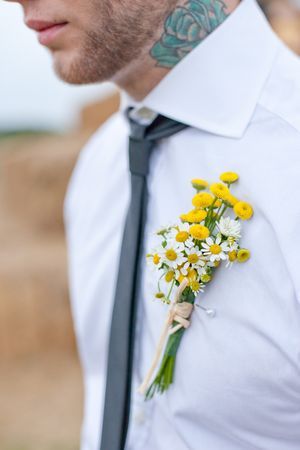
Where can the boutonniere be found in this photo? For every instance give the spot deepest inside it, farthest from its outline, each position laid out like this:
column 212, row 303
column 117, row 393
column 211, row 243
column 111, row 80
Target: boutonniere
column 188, row 255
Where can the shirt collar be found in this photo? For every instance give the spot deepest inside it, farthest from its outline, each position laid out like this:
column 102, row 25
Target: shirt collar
column 217, row 86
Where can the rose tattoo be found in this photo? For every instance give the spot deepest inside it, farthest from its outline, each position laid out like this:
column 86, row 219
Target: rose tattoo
column 185, row 28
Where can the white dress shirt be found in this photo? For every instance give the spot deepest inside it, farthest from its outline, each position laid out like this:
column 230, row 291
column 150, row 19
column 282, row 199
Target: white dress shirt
column 237, row 377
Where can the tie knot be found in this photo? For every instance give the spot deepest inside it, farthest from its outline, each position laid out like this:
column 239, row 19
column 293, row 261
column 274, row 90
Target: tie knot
column 140, row 120
column 149, row 125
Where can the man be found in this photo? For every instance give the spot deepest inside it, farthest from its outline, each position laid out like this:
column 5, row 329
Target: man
column 222, row 72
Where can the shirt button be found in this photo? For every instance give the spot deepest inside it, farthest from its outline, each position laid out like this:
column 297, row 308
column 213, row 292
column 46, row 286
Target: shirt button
column 140, row 417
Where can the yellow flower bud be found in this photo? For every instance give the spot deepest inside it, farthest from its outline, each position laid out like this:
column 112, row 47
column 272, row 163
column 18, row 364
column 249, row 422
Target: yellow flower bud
column 199, row 232
column 243, row 255
column 202, row 200
column 156, row 259
column 199, row 184
column 232, row 256
column 169, row 276
column 182, row 236
column 206, row 278
column 220, row 190
column 243, row 210
column 194, row 216
column 229, row 177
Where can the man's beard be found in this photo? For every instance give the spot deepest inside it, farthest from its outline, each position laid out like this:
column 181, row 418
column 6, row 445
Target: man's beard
column 106, row 51
column 94, row 62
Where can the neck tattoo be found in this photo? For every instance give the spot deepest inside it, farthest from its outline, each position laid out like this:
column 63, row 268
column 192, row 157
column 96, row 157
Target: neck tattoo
column 185, row 27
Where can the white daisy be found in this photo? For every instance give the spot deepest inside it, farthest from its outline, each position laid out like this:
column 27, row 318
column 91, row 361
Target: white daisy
column 197, row 287
column 172, row 254
column 229, row 227
column 195, row 261
column 195, row 257
column 179, row 233
column 182, row 270
column 153, row 260
column 215, row 250
column 233, row 246
column 189, row 243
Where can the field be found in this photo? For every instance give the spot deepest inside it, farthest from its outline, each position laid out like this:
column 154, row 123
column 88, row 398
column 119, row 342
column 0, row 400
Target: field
column 40, row 378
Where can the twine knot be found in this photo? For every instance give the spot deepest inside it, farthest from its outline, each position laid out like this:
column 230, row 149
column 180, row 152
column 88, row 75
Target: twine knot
column 179, row 312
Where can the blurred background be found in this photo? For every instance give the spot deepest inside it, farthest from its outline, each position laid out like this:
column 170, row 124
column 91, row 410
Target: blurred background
column 43, row 125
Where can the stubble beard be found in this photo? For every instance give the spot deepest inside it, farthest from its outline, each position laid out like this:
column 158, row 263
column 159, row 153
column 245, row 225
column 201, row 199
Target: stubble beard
column 113, row 41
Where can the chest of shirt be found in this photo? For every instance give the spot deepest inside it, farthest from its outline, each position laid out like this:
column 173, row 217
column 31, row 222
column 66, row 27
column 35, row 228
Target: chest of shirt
column 249, row 354
column 251, row 348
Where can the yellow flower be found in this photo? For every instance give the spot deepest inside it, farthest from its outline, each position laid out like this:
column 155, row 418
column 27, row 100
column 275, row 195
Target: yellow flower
column 156, row 259
column 183, row 217
column 220, row 190
column 159, row 295
column 193, row 258
column 232, row 200
column 206, row 278
column 195, row 286
column 202, row 200
column 194, row 216
column 199, row 232
column 232, row 255
column 190, row 277
column 199, row 184
column 169, row 276
column 243, row 255
column 215, row 249
column 229, row 177
column 243, row 210
column 197, row 216
column 171, row 255
column 182, row 236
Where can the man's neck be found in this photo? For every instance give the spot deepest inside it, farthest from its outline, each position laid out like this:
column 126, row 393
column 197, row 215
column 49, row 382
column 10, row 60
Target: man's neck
column 183, row 29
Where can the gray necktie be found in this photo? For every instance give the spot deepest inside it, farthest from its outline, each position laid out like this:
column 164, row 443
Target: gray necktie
column 146, row 129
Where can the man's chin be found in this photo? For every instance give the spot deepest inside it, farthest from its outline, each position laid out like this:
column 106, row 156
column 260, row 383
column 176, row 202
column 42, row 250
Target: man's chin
column 68, row 73
column 85, row 66
column 73, row 70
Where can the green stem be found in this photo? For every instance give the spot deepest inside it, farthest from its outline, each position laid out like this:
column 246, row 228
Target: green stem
column 170, row 290
column 165, row 374
column 210, row 213
column 224, row 210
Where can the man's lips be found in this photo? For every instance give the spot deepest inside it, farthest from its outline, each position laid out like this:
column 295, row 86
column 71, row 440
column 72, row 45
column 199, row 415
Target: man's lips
column 47, row 31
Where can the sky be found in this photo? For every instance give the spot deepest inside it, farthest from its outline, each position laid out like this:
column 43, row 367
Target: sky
column 30, row 94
